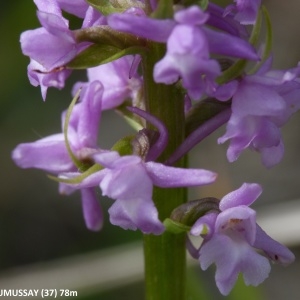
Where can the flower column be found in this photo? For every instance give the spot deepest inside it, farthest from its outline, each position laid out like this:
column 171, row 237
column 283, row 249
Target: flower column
column 165, row 254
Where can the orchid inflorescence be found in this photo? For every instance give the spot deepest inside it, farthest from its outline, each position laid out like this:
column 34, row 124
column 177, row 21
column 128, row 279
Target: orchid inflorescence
column 214, row 60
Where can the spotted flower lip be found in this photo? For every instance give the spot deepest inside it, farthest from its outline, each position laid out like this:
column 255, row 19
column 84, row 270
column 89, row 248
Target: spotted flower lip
column 232, row 239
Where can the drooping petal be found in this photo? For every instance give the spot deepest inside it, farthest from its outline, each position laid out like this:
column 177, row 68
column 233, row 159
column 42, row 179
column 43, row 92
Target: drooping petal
column 232, row 257
column 136, row 213
column 165, row 176
column 91, row 208
column 245, row 195
column 38, row 75
column 273, row 155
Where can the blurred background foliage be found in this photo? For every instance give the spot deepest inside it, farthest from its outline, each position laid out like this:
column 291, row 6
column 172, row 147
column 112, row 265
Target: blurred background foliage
column 37, row 224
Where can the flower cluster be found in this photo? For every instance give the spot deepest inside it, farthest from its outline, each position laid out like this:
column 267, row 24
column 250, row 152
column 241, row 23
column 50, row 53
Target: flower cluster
column 231, row 237
column 208, row 57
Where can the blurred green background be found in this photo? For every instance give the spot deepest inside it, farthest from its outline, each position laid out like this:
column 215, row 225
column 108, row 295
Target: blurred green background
column 38, row 225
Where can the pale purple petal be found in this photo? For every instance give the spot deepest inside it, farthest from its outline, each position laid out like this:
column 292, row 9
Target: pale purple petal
column 56, row 25
column 226, row 44
column 205, row 223
column 48, row 50
column 49, row 154
column 165, row 176
column 127, row 181
column 106, row 158
column 225, row 23
column 91, row 208
column 136, row 213
column 225, row 91
column 142, row 26
column 192, row 15
column 247, row 11
column 116, row 80
column 90, row 115
column 273, row 155
column 187, row 58
column 49, row 6
column 38, row 75
column 274, row 250
column 245, row 195
column 257, row 100
column 232, row 257
column 74, row 7
column 93, row 18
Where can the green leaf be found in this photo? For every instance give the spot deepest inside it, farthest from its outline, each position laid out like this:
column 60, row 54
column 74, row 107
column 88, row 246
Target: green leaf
column 99, row 54
column 175, row 227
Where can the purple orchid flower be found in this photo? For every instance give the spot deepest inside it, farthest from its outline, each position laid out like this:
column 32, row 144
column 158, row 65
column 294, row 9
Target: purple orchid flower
column 50, row 47
column 51, row 154
column 261, row 104
column 189, row 44
column 245, row 10
column 232, row 239
column 119, row 82
column 129, row 180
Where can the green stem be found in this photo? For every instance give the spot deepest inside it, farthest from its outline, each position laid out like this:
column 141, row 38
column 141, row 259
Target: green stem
column 165, row 254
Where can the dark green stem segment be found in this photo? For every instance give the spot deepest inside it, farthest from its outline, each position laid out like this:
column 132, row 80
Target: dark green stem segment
column 165, row 261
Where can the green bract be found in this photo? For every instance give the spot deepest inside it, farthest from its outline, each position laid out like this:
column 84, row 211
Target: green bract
column 99, row 54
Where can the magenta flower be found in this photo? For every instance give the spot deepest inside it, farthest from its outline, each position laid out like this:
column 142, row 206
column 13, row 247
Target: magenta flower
column 50, row 153
column 129, row 181
column 233, row 239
